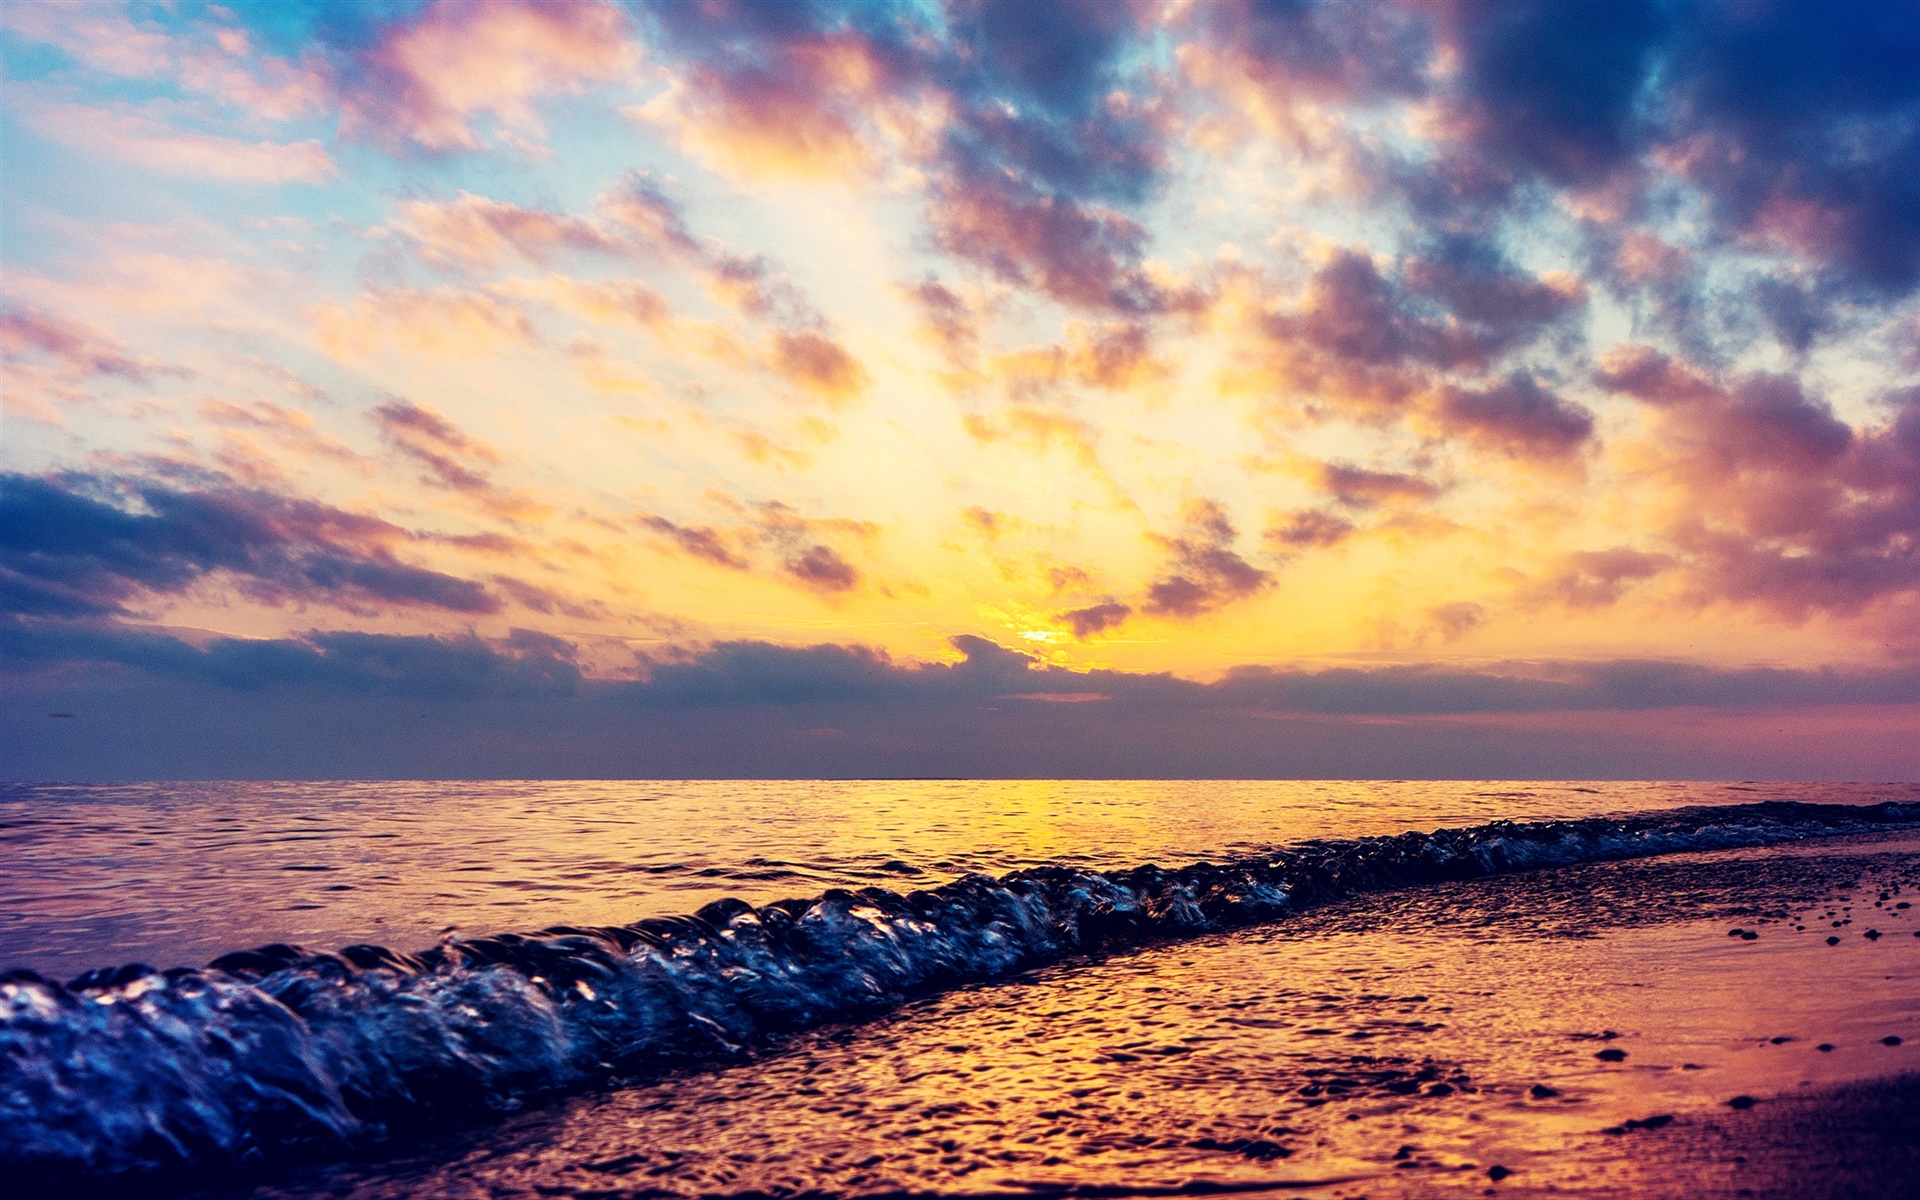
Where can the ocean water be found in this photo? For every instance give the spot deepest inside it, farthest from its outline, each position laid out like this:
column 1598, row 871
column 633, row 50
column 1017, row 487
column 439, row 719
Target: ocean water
column 928, row 987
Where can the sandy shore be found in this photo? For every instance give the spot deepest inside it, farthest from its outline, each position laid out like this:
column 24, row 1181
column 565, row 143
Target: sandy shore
column 1858, row 1141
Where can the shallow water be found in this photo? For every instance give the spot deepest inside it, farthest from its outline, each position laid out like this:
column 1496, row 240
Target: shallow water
column 1305, row 1012
column 176, row 873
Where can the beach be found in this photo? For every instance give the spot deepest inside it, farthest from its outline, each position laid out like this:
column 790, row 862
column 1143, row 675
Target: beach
column 1606, row 1006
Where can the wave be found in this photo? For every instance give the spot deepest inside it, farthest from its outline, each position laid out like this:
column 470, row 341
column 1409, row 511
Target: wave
column 281, row 1050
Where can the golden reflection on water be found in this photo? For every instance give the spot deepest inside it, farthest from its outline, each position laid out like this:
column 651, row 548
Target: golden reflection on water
column 179, row 873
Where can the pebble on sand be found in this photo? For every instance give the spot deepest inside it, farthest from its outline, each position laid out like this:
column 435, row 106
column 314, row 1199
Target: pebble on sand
column 1742, row 1102
column 1611, row 1055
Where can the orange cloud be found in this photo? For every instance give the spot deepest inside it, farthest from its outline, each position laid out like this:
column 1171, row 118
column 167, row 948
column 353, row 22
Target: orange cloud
column 473, row 231
column 1113, row 357
column 446, row 323
column 1039, row 430
column 818, row 365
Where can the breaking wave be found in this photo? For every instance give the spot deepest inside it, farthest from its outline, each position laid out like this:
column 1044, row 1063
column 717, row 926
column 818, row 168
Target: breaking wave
column 282, row 1050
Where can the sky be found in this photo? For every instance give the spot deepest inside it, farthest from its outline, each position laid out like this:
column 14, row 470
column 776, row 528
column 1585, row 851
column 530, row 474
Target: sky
column 960, row 387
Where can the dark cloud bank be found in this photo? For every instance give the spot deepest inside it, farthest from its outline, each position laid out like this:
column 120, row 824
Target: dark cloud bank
column 331, row 705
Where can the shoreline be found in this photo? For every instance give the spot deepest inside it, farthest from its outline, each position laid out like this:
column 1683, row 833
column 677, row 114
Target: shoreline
column 1436, row 1019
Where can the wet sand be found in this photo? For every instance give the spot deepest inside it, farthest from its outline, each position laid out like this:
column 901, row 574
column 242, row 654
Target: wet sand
column 1858, row 1141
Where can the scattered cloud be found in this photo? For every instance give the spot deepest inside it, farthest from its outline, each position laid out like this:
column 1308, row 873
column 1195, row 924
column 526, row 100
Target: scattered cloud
column 1094, row 619
column 1010, row 282
column 1204, row 572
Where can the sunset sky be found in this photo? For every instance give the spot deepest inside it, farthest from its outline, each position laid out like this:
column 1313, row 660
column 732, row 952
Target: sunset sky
column 719, row 387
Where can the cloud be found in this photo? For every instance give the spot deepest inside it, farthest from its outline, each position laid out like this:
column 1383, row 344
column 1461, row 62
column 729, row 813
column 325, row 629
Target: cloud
column 80, row 351
column 427, row 79
column 1773, row 499
column 1059, row 55
column 1518, row 418
column 437, row 444
column 1015, row 115
column 761, row 123
column 1112, row 356
column 1379, row 346
column 80, row 546
column 1039, row 430
column 1549, row 90
column 1802, row 129
column 701, row 541
column 255, row 440
column 462, row 668
column 1597, row 578
column 132, row 135
column 451, row 459
column 521, row 707
column 1359, row 487
column 946, row 319
column 1309, row 529
column 444, row 323
column 1051, row 96
column 1455, row 621
column 1477, row 286
column 807, row 557
column 1094, row 619
column 753, row 675
column 1797, row 133
column 633, row 219
column 212, row 58
column 638, row 205
column 821, row 568
column 1422, row 346
column 756, row 673
column 789, row 92
column 773, row 538
column 475, row 231
column 818, row 365
column 612, row 302
column 1086, row 256
column 1283, row 66
column 1203, row 570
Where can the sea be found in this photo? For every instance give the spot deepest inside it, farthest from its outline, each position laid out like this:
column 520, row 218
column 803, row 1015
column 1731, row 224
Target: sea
column 930, row 987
